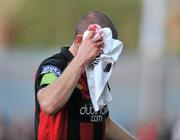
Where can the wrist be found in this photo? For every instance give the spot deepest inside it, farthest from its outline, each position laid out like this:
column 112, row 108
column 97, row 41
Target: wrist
column 79, row 62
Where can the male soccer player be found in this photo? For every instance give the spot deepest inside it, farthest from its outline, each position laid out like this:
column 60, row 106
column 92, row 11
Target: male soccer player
column 63, row 106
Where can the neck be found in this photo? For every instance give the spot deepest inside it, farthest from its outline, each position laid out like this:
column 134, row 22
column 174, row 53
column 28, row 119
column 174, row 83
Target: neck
column 73, row 49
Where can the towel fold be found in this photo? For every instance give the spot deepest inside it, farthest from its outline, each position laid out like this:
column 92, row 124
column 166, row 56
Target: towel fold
column 99, row 74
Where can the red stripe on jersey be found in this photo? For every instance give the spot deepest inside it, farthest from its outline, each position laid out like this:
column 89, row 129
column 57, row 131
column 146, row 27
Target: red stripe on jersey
column 83, row 82
column 53, row 127
column 86, row 131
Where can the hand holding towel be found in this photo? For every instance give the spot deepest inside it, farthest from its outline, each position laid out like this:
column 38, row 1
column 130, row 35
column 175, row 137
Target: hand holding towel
column 99, row 74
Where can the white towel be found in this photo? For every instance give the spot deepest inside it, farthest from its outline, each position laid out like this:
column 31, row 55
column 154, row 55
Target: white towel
column 98, row 77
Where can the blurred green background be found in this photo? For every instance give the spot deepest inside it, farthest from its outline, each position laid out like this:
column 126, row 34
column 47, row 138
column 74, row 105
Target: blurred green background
column 46, row 23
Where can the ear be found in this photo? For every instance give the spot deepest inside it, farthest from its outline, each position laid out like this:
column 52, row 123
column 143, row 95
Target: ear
column 79, row 39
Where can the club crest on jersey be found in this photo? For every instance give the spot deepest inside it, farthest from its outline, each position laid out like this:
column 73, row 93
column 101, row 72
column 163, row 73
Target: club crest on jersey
column 79, row 86
column 51, row 69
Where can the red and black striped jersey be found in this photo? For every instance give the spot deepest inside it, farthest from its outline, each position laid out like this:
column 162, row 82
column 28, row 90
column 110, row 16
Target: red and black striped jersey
column 77, row 120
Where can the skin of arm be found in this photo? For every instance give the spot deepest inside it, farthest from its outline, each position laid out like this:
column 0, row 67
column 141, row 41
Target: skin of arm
column 53, row 97
column 115, row 132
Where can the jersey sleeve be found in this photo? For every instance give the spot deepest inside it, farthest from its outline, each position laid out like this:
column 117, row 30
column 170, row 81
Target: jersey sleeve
column 47, row 74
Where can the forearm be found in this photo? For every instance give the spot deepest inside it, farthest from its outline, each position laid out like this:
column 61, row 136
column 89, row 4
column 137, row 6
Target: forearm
column 115, row 132
column 53, row 97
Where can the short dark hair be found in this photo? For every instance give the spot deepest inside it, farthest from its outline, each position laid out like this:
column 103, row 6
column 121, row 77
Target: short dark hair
column 95, row 17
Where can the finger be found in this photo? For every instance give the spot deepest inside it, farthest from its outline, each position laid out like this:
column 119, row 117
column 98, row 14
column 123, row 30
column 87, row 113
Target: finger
column 100, row 32
column 99, row 44
column 97, row 38
column 90, row 35
column 90, row 29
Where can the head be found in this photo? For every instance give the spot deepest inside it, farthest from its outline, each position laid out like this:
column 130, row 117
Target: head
column 93, row 17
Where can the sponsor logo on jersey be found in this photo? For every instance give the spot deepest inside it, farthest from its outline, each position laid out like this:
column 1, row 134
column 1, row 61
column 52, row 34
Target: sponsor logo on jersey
column 92, row 115
column 79, row 86
column 51, row 69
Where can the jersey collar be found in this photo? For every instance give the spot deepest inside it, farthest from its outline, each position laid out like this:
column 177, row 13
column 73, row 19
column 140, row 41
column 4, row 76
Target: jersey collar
column 68, row 55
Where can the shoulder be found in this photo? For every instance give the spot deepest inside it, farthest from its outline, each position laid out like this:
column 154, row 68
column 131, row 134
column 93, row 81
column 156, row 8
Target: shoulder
column 51, row 68
column 57, row 60
column 53, row 64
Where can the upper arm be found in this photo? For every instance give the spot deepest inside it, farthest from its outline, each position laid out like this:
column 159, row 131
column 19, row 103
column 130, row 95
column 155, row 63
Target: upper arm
column 46, row 75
